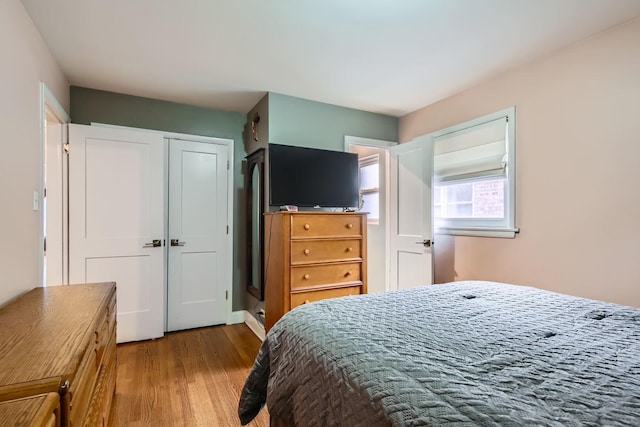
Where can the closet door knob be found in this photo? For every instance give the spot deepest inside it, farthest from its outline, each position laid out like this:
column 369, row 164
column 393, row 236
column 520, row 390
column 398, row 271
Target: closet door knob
column 176, row 242
column 153, row 244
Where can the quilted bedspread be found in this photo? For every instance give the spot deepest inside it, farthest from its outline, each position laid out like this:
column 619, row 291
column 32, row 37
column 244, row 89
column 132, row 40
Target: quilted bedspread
column 464, row 353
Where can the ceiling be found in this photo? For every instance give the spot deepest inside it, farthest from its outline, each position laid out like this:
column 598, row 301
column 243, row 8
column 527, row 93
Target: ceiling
column 385, row 56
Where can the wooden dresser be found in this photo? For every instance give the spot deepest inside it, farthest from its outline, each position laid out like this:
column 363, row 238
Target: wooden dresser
column 311, row 256
column 59, row 339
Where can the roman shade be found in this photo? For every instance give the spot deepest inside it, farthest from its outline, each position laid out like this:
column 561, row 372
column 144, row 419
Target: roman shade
column 476, row 151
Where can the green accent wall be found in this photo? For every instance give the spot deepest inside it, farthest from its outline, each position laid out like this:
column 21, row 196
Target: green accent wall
column 90, row 105
column 304, row 123
column 289, row 120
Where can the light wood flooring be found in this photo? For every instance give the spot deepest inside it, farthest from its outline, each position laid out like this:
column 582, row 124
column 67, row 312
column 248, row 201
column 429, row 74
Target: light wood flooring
column 187, row 378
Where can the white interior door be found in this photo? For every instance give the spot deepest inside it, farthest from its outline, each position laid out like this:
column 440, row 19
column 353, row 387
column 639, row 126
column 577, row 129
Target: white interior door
column 198, row 257
column 411, row 262
column 116, row 203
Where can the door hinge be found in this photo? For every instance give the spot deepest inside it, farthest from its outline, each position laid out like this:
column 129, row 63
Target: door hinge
column 66, row 148
column 226, row 294
column 227, row 164
column 227, row 229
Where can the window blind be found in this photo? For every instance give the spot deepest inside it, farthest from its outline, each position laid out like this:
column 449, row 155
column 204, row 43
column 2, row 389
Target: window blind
column 477, row 151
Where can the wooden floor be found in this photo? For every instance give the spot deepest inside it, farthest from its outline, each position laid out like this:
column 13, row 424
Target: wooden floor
column 187, row 378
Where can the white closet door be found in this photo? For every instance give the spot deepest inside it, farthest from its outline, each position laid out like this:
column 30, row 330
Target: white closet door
column 198, row 281
column 411, row 262
column 116, row 205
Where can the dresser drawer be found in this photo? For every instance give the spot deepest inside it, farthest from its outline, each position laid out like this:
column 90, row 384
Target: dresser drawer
column 82, row 388
column 306, row 276
column 310, row 226
column 299, row 298
column 41, row 410
column 52, row 421
column 102, row 337
column 313, row 251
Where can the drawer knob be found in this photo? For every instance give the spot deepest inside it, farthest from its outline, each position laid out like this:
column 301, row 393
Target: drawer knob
column 307, row 226
column 305, row 277
column 306, row 301
column 349, row 226
column 348, row 273
column 349, row 249
column 307, row 251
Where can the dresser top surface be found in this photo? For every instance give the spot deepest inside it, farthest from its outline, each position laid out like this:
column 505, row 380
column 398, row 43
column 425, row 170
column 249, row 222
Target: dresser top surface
column 313, row 213
column 45, row 332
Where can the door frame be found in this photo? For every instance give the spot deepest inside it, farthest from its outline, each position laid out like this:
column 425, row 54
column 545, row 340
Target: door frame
column 350, row 141
column 49, row 104
column 229, row 143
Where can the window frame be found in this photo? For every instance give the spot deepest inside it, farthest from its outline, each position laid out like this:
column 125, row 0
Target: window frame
column 486, row 227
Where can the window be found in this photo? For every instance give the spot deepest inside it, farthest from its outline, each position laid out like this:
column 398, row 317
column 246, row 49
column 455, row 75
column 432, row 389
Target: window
column 370, row 187
column 474, row 177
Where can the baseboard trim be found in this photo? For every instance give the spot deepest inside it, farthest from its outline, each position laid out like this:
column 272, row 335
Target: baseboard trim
column 243, row 316
column 236, row 317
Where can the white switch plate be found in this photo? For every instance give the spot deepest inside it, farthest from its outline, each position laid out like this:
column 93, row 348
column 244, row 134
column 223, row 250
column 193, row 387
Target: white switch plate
column 36, row 201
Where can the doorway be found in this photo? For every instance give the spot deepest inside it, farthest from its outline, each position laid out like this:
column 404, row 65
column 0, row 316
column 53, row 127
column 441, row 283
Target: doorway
column 51, row 198
column 373, row 156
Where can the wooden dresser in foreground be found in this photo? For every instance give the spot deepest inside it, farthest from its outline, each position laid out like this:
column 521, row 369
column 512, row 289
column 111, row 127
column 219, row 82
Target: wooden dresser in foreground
column 62, row 340
column 310, row 256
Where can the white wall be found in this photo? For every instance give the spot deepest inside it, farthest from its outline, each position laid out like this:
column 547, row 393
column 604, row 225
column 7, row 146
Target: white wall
column 26, row 62
column 578, row 173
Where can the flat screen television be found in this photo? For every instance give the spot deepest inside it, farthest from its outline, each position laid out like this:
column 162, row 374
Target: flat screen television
column 311, row 177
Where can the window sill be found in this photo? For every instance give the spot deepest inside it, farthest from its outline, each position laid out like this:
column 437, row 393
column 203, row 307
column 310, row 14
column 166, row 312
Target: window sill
column 505, row 233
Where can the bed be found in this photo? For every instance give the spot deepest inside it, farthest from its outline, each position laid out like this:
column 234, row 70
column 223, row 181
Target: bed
column 463, row 353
